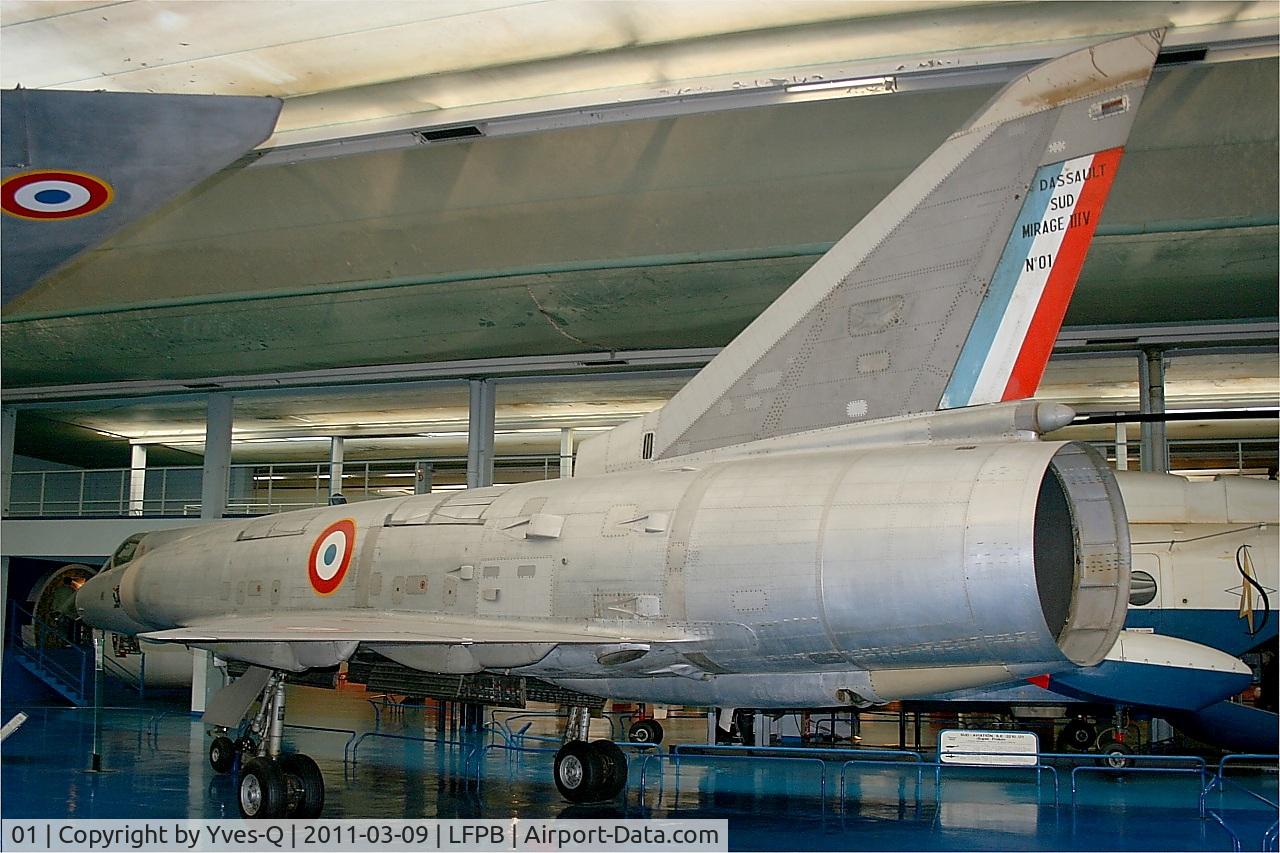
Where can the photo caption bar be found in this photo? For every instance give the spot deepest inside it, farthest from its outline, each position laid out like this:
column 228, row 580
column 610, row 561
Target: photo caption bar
column 109, row 836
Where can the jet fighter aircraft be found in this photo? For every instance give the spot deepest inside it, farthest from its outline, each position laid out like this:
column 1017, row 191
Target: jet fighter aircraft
column 850, row 504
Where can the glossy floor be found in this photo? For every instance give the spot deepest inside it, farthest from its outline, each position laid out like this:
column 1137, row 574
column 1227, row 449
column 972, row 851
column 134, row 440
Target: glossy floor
column 154, row 765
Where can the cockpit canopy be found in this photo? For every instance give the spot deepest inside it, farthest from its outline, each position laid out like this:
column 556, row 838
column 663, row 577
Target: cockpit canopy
column 127, row 551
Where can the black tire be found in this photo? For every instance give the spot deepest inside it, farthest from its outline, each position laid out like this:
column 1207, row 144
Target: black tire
column 580, row 772
column 615, row 768
column 222, row 755
column 1115, row 756
column 645, row 731
column 1077, row 735
column 261, row 792
column 304, row 786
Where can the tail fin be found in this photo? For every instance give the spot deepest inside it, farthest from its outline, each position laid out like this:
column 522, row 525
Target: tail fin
column 949, row 293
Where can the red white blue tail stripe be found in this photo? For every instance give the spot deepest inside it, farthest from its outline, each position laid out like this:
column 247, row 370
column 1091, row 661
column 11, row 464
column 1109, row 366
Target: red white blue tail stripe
column 1018, row 321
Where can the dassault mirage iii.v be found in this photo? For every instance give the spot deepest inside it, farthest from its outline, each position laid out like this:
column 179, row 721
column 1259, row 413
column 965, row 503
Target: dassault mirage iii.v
column 851, row 504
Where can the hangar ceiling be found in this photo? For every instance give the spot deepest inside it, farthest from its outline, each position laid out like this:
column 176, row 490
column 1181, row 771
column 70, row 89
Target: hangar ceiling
column 564, row 229
column 351, row 69
column 643, row 235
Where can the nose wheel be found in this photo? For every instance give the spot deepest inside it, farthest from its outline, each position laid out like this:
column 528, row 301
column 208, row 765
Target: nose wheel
column 222, row 754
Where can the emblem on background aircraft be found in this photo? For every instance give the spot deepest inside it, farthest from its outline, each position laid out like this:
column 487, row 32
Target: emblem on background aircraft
column 331, row 555
column 54, row 194
column 1249, row 578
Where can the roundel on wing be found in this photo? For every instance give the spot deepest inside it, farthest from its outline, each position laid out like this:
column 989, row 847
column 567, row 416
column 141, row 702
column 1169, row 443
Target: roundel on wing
column 47, row 194
column 331, row 556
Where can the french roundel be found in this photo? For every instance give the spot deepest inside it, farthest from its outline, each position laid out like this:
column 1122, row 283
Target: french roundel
column 53, row 194
column 331, row 555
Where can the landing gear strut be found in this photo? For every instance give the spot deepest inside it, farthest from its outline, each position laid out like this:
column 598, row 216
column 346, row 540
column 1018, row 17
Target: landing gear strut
column 588, row 772
column 1112, row 742
column 272, row 784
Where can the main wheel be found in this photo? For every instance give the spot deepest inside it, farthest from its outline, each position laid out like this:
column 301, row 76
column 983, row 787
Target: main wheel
column 645, row 731
column 615, row 768
column 1077, row 734
column 222, row 754
column 262, row 789
column 304, row 786
column 580, row 772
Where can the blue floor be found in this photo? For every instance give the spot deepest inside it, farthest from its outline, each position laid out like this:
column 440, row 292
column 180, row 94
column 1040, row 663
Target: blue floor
column 155, row 765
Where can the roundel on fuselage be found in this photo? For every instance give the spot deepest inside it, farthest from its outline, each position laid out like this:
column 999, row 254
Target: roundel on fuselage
column 331, row 556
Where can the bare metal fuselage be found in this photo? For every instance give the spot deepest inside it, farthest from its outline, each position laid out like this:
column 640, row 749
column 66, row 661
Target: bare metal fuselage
column 845, row 576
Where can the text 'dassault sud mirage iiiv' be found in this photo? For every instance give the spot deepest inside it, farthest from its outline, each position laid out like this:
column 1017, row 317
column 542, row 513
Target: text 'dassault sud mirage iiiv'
column 849, row 505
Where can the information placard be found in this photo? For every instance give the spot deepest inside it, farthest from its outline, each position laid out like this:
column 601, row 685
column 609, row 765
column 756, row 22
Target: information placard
column 988, row 748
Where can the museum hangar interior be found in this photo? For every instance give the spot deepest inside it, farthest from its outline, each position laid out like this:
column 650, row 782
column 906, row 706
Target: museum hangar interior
column 479, row 236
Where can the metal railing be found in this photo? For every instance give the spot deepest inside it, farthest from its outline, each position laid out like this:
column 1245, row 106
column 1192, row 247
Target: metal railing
column 263, row 489
column 54, row 656
column 136, row 683
column 1238, row 455
column 252, row 489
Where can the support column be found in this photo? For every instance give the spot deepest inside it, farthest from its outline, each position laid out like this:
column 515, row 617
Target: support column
column 206, row 679
column 217, row 457
column 335, row 465
column 760, row 729
column 480, row 429
column 137, row 479
column 1155, row 443
column 423, row 472
column 1122, row 446
column 566, row 452
column 8, row 423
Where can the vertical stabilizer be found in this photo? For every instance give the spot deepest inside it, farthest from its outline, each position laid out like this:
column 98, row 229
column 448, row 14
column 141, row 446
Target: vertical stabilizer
column 949, row 293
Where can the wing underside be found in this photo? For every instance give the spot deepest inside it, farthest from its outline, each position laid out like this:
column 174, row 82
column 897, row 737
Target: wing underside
column 363, row 626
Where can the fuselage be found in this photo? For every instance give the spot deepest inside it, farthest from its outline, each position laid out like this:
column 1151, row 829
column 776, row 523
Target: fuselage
column 855, row 576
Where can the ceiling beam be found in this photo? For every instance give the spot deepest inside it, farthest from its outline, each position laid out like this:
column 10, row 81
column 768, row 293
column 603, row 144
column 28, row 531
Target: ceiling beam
column 1077, row 341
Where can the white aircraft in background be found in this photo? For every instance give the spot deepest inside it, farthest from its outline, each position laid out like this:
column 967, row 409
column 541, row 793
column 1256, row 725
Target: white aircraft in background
column 1206, row 565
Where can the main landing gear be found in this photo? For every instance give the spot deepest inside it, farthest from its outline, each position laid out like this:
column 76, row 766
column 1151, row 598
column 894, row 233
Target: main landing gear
column 588, row 772
column 272, row 784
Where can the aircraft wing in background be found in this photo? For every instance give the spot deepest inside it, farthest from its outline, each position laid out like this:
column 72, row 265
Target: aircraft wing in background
column 79, row 166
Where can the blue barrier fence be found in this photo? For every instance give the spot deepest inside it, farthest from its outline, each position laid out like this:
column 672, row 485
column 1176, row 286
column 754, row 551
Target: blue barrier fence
column 840, row 764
